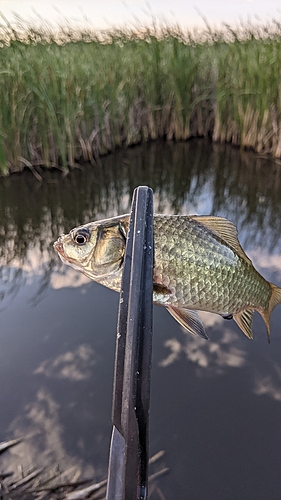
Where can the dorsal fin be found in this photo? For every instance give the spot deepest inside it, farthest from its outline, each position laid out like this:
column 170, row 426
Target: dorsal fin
column 225, row 229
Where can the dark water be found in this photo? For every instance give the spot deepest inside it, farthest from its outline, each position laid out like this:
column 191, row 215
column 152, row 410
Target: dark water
column 215, row 406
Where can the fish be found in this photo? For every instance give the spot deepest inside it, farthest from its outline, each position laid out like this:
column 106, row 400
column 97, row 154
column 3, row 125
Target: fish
column 199, row 265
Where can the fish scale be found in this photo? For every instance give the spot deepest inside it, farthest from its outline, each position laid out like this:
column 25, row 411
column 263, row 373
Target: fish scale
column 208, row 276
column 199, row 264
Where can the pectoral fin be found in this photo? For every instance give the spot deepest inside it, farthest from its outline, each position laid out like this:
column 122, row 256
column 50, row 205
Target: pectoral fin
column 189, row 320
column 244, row 320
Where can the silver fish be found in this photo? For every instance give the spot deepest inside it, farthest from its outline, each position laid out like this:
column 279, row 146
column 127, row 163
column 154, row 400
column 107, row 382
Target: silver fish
column 199, row 265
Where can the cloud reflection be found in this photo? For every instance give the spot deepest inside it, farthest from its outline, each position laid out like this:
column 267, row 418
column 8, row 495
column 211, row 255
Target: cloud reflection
column 269, row 385
column 210, row 357
column 72, row 365
column 68, row 278
column 39, row 425
column 263, row 259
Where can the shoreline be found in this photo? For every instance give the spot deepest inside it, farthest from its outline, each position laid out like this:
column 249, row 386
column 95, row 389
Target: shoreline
column 75, row 99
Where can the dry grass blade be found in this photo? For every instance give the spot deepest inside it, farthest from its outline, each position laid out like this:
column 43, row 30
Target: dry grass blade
column 156, row 457
column 53, row 484
column 6, row 445
column 85, row 492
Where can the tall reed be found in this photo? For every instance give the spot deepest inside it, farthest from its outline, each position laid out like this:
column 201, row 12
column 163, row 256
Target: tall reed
column 69, row 97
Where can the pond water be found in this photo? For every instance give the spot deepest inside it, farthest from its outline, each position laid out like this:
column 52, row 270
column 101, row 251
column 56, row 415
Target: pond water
column 215, row 406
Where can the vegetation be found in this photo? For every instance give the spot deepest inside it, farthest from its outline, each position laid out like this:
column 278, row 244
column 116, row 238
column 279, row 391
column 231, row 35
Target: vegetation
column 69, row 97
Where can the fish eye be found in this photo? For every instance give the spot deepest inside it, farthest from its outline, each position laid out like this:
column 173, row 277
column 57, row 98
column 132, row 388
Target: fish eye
column 81, row 236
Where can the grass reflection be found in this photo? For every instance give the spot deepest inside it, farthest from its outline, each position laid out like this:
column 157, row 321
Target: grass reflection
column 187, row 177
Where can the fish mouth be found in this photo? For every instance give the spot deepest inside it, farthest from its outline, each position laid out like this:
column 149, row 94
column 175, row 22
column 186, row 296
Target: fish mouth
column 58, row 246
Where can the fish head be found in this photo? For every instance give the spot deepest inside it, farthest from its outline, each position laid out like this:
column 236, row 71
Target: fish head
column 97, row 249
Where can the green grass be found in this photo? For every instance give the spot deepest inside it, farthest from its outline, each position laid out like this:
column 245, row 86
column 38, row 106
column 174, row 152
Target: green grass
column 69, row 97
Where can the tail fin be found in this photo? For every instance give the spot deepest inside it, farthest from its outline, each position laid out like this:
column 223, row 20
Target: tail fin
column 274, row 300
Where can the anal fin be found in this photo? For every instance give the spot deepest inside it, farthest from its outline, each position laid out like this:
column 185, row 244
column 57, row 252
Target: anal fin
column 244, row 320
column 189, row 320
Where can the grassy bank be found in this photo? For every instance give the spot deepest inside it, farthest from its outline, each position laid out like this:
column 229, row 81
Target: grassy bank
column 71, row 97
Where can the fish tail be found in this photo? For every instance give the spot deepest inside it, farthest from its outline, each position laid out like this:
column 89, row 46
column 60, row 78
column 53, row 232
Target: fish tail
column 274, row 300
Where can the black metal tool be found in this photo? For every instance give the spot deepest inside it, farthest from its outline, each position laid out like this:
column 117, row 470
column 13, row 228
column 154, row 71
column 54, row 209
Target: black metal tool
column 128, row 461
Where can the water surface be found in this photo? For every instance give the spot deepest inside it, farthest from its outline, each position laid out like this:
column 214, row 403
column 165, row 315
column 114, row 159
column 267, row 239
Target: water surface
column 215, row 406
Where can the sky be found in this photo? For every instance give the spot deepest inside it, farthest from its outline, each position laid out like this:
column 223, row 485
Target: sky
column 104, row 14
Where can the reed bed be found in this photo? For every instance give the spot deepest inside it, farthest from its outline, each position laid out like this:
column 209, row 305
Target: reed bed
column 69, row 96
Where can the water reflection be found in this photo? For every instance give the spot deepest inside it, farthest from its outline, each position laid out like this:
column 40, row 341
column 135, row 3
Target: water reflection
column 210, row 358
column 192, row 177
column 71, row 365
column 57, row 329
column 43, row 438
column 269, row 384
